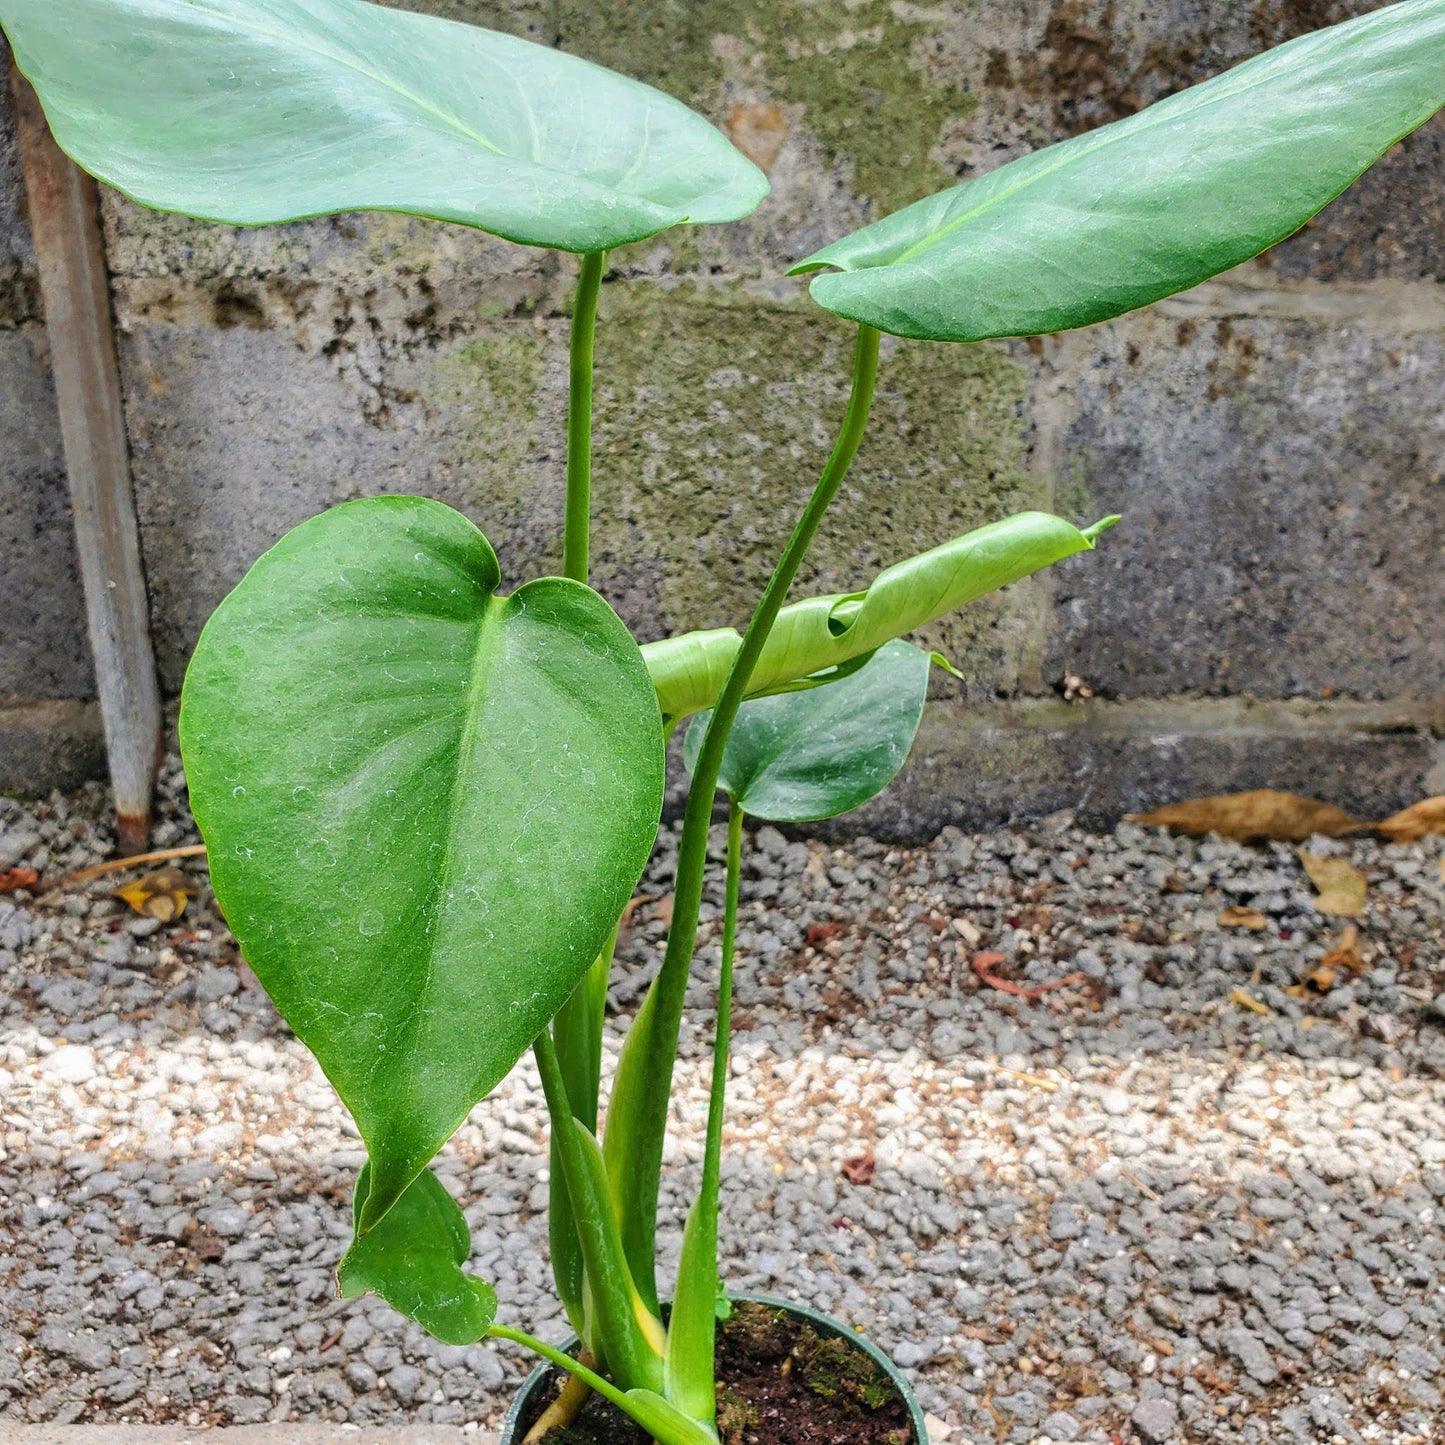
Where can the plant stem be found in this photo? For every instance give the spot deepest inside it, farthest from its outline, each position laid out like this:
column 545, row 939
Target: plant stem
column 576, row 536
column 578, row 1030
column 722, row 1033
column 630, row 1355
column 635, row 1140
column 562, row 1360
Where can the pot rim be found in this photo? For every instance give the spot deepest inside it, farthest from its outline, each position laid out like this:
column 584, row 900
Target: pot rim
column 829, row 1327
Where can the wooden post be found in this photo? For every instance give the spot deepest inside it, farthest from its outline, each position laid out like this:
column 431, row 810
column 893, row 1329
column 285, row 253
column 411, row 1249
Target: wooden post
column 65, row 223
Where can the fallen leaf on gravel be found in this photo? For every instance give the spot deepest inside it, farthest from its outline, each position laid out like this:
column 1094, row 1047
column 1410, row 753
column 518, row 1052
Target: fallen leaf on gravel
column 1415, row 822
column 1250, row 918
column 14, row 878
column 985, row 963
column 1342, row 887
column 162, row 895
column 1262, row 813
column 862, row 1169
column 821, row 932
column 1238, row 995
column 1343, row 958
column 638, row 900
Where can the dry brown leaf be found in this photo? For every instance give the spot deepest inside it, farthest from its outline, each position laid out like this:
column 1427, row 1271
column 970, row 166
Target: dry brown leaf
column 1262, row 814
column 1342, row 887
column 13, row 879
column 1238, row 995
column 1344, row 958
column 1415, row 822
column 862, row 1169
column 162, row 895
column 985, row 963
column 1250, row 918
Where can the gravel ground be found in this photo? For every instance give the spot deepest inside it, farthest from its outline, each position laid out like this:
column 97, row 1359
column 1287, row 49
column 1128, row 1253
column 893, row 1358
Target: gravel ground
column 1132, row 1209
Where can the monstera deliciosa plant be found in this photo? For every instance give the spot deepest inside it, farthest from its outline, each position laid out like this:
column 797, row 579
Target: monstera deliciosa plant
column 427, row 799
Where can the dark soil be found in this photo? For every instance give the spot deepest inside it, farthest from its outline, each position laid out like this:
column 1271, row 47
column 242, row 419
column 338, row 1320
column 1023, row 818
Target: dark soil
column 779, row 1383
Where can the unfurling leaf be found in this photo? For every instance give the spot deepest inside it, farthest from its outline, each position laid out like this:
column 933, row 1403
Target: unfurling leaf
column 413, row 1259
column 256, row 111
column 803, row 756
column 162, row 895
column 1123, row 215
column 426, row 805
column 1248, row 918
column 1259, row 815
column 1416, row 822
column 811, row 638
column 1342, row 887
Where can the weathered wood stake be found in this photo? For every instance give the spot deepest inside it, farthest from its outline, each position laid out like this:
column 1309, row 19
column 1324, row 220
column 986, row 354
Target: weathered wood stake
column 65, row 223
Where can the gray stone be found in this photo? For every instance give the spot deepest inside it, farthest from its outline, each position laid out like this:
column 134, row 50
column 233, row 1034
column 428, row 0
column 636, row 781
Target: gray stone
column 214, row 984
column 1061, row 1426
column 1156, row 1420
column 1249, row 1350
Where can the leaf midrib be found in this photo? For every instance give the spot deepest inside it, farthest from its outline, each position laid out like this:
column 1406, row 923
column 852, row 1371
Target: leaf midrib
column 488, row 625
column 291, row 38
column 1135, row 126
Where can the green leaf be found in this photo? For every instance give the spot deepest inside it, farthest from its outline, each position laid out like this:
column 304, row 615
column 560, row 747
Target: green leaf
column 577, row 1034
column 803, row 756
column 828, row 632
column 255, row 111
column 1133, row 211
column 413, row 1260
column 426, row 805
column 665, row 1421
column 630, row 1334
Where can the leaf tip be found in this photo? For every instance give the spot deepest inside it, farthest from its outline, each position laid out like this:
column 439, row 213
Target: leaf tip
column 1092, row 534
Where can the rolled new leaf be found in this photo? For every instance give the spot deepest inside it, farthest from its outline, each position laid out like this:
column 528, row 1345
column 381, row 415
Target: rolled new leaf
column 256, row 111
column 425, row 804
column 413, row 1259
column 826, row 632
column 1118, row 217
column 801, row 757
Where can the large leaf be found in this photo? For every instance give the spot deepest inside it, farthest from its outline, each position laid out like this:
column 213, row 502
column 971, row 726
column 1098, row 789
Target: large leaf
column 1133, row 211
column 829, row 632
column 254, row 111
column 426, row 805
column 413, row 1260
column 804, row 756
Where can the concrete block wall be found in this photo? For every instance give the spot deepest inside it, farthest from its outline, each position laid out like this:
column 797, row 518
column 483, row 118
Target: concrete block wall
column 1268, row 614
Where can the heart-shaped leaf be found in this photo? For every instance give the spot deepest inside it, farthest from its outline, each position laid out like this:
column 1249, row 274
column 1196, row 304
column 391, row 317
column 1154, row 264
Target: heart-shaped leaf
column 413, row 1260
column 254, row 111
column 803, row 756
column 426, row 805
column 1133, row 211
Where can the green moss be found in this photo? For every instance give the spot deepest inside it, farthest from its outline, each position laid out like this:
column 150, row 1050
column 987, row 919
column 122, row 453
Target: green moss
column 487, row 393
column 716, row 413
column 857, row 68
